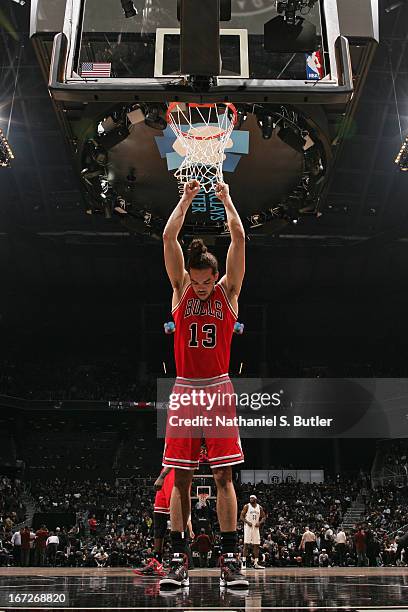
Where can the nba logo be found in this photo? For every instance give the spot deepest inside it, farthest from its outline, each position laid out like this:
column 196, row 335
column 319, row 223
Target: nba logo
column 314, row 66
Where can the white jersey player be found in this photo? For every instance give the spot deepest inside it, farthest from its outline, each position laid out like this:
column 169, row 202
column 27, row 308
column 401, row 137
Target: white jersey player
column 252, row 516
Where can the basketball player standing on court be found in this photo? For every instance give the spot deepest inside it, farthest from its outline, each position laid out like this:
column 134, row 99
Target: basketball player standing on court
column 204, row 310
column 252, row 516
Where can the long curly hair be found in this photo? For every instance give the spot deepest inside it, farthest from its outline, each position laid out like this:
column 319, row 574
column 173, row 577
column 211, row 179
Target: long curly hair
column 199, row 257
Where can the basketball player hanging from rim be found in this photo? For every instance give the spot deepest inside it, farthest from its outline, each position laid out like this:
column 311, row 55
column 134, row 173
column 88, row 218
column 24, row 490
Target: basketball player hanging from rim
column 205, row 310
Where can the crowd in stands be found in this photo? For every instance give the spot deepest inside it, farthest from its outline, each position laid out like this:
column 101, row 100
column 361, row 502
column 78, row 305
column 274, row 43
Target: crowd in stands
column 100, row 378
column 396, row 456
column 386, row 508
column 12, row 508
column 111, row 524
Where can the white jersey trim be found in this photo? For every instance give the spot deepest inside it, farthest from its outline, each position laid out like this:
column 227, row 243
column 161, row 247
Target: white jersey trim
column 217, row 384
column 225, row 457
column 227, row 300
column 202, row 379
column 181, row 467
column 179, row 460
column 181, row 299
column 230, row 463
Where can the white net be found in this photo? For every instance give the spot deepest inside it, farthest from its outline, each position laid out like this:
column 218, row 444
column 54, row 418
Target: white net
column 202, row 500
column 203, row 134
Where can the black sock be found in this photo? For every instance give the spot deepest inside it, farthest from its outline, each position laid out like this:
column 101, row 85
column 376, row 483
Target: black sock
column 178, row 542
column 228, row 542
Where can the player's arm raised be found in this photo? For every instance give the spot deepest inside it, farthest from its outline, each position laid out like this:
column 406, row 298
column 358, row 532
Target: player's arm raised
column 235, row 267
column 173, row 254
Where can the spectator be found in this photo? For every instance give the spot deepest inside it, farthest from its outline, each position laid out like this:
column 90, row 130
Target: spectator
column 101, row 557
column 52, row 544
column 25, row 546
column 16, row 542
column 41, row 536
column 360, row 543
column 6, row 555
column 328, row 539
column 324, row 558
column 92, row 524
column 390, row 553
column 307, row 544
column 341, row 546
column 204, row 546
column 402, row 545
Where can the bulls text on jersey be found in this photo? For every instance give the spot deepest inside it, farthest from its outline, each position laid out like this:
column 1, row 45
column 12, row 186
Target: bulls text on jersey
column 196, row 307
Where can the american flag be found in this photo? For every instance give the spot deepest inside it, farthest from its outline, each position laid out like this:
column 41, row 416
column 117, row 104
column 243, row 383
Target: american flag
column 91, row 69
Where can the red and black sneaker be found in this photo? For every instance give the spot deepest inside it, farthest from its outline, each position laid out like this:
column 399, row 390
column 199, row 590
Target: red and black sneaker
column 231, row 575
column 153, row 568
column 158, row 568
column 178, row 573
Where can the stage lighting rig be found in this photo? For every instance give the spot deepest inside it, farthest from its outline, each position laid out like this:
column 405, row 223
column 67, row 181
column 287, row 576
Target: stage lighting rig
column 155, row 117
column 129, row 8
column 402, row 157
column 394, row 5
column 110, row 139
column 242, row 115
column 6, row 154
column 267, row 125
column 113, row 130
column 256, row 220
column 292, row 7
column 289, row 32
column 292, row 137
column 119, row 206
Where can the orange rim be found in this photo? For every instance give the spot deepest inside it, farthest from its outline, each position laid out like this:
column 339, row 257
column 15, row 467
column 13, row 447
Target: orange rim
column 228, row 105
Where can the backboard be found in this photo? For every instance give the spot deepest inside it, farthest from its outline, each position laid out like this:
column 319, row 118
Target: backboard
column 139, row 58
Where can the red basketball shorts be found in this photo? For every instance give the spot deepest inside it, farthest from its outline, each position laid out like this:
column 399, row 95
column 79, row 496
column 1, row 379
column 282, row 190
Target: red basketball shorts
column 162, row 499
column 202, row 409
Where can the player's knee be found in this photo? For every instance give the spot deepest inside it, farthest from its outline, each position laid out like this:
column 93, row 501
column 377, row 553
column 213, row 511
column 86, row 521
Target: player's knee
column 222, row 476
column 182, row 479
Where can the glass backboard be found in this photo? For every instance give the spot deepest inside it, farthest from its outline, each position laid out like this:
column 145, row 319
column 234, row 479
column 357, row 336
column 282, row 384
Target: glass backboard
column 102, row 50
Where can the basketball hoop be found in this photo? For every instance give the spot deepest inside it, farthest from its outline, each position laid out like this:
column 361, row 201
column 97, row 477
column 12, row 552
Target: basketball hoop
column 202, row 499
column 203, row 132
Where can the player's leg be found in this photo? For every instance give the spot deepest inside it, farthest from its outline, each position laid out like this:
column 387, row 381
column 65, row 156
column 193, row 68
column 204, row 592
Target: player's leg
column 244, row 553
column 226, row 501
column 180, row 504
column 160, row 527
column 161, row 515
column 179, row 514
column 182, row 454
column 158, row 548
column 154, row 566
column 256, row 557
column 231, row 575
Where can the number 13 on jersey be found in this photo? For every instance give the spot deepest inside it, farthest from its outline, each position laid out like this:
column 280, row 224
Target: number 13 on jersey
column 206, row 338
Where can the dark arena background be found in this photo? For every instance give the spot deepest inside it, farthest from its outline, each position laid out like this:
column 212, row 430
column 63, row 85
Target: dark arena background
column 316, row 165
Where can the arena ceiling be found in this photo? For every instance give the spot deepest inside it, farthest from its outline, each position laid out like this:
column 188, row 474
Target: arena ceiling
column 41, row 196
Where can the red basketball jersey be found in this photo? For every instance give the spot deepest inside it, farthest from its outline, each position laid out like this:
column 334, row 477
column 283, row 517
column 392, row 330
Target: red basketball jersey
column 202, row 340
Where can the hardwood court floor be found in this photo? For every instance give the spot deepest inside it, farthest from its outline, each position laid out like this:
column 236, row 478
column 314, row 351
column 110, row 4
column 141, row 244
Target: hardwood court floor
column 312, row 589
